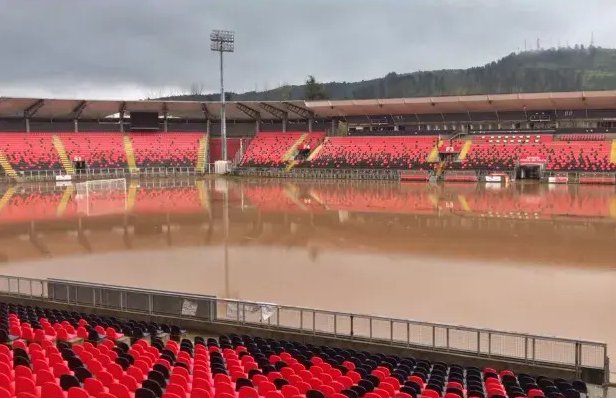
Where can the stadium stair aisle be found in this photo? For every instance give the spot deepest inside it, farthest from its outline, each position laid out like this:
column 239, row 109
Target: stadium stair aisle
column 8, row 169
column 289, row 154
column 315, row 152
column 66, row 162
column 613, row 152
column 204, row 143
column 433, row 156
column 292, row 164
column 130, row 155
column 465, row 149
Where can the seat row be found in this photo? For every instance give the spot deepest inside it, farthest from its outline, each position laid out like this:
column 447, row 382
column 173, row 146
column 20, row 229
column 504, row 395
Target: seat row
column 104, row 366
column 375, row 152
column 420, row 152
column 34, row 324
column 43, row 151
column 269, row 149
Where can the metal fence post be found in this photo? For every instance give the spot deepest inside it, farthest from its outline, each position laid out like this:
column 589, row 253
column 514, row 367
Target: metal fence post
column 352, row 331
column 314, row 322
column 489, row 344
column 150, row 304
column 433, row 336
column 478, row 342
column 408, row 333
column 335, row 324
column 534, row 351
column 578, row 358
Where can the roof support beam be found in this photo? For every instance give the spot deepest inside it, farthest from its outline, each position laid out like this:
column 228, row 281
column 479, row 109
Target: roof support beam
column 253, row 113
column 279, row 113
column 32, row 109
column 298, row 110
column 121, row 111
column 165, row 117
column 76, row 113
column 248, row 111
column 206, row 113
column 78, row 110
column 208, row 120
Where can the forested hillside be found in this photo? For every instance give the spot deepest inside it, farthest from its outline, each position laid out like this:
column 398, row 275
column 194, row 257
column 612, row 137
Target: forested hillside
column 565, row 69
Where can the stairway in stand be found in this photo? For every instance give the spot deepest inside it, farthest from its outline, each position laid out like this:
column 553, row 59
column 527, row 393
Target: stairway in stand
column 316, row 151
column 465, row 149
column 130, row 155
column 6, row 165
column 291, row 151
column 292, row 164
column 202, row 158
column 66, row 162
column 433, row 155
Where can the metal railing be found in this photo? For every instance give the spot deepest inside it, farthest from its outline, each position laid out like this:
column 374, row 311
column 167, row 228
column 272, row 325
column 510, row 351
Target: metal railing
column 525, row 348
column 108, row 173
column 330, row 174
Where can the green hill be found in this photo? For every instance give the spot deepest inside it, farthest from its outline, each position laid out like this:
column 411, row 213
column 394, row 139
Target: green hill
column 565, row 69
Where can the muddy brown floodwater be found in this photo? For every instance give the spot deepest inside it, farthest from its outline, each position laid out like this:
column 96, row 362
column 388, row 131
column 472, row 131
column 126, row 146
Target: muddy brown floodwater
column 525, row 258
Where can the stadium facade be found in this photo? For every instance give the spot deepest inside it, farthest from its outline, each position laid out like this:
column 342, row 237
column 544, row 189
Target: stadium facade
column 565, row 137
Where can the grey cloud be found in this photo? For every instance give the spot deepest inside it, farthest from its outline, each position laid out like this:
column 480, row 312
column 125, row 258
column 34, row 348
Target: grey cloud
column 85, row 48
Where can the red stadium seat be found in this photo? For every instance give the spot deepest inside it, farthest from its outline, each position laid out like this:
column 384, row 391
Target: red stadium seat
column 268, row 149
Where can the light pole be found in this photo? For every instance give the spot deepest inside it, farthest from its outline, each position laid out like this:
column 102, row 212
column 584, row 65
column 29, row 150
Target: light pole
column 222, row 41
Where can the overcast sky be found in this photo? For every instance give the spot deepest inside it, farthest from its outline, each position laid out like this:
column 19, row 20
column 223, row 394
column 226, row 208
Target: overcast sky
column 132, row 49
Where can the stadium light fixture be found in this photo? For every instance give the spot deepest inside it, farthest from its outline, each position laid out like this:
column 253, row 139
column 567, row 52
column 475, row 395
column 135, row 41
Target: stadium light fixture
column 222, row 41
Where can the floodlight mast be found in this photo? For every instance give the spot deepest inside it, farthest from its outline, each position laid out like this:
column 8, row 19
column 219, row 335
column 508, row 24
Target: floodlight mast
column 222, row 41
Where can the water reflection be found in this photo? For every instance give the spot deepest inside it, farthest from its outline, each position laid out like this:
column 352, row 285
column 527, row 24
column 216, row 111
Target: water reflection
column 528, row 257
column 523, row 223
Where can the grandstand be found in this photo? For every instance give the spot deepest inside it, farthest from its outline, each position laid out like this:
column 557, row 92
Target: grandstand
column 570, row 137
column 57, row 353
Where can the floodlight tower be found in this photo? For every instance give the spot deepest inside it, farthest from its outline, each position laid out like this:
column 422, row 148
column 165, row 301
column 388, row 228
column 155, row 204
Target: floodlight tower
column 222, row 41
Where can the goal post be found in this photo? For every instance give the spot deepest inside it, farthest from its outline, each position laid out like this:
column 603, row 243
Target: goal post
column 101, row 197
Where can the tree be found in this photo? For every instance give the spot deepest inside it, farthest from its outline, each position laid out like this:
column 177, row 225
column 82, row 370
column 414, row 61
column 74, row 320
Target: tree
column 314, row 90
column 197, row 88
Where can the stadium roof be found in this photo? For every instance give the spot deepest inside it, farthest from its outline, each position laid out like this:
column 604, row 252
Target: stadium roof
column 470, row 103
column 98, row 109
column 250, row 110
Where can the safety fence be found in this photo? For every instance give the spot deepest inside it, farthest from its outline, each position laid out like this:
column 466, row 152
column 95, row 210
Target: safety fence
column 525, row 348
column 330, row 174
column 580, row 177
column 107, row 173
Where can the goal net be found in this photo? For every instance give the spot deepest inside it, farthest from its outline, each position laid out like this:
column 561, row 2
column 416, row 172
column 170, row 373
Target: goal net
column 101, row 197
